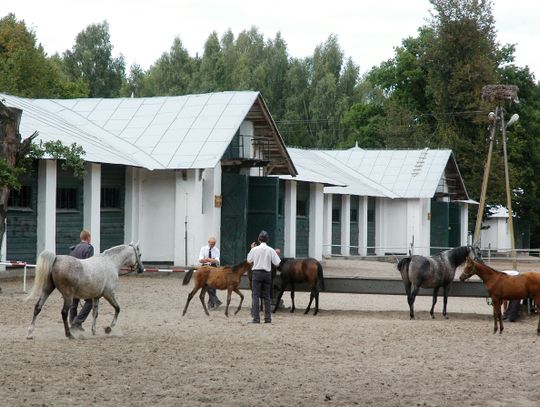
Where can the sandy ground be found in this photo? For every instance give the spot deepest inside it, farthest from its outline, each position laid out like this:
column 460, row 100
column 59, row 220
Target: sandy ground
column 360, row 350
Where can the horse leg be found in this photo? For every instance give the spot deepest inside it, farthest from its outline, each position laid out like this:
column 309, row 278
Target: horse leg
column 311, row 297
column 111, row 300
column 65, row 310
column 445, row 299
column 190, row 296
column 229, row 291
column 316, row 302
column 411, row 298
column 278, row 300
column 95, row 304
column 435, row 293
column 237, row 291
column 47, row 290
column 497, row 316
column 292, row 297
column 201, row 296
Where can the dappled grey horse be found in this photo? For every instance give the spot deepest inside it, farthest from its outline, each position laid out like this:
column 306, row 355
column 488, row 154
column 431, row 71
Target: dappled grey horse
column 432, row 272
column 94, row 278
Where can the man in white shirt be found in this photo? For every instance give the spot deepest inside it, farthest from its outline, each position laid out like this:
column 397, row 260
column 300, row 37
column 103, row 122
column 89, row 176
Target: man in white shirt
column 262, row 257
column 209, row 256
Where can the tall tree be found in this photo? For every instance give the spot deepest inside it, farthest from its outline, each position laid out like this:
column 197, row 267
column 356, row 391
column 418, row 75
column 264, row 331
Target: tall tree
column 91, row 59
column 172, row 73
column 25, row 69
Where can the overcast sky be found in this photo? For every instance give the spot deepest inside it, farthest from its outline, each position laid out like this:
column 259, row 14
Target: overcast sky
column 367, row 30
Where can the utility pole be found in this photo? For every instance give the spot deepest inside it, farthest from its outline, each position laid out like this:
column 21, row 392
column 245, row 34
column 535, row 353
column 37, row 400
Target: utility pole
column 499, row 94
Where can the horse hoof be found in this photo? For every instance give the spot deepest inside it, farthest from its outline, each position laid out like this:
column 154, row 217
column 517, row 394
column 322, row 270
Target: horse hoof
column 108, row 330
column 32, row 336
column 432, row 316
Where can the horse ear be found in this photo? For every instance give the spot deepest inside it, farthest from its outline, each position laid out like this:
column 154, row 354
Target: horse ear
column 137, row 244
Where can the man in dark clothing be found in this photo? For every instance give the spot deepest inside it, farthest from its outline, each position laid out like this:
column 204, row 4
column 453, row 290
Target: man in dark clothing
column 83, row 250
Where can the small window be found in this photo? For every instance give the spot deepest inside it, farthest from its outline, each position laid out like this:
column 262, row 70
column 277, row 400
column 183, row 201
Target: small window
column 336, row 215
column 20, row 198
column 66, row 198
column 110, row 198
column 301, row 208
column 354, row 215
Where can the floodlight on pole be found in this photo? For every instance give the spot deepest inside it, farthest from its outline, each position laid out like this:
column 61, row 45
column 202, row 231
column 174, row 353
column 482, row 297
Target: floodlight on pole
column 513, row 119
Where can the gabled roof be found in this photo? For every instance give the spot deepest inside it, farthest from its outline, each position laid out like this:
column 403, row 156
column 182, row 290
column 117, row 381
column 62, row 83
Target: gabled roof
column 407, row 173
column 317, row 166
column 173, row 132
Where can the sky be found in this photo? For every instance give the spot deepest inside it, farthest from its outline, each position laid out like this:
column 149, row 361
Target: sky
column 367, row 30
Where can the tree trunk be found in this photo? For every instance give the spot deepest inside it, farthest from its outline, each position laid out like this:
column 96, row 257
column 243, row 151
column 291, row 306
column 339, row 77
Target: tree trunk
column 12, row 149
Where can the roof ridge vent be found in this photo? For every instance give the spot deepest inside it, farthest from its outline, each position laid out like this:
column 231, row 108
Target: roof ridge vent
column 420, row 162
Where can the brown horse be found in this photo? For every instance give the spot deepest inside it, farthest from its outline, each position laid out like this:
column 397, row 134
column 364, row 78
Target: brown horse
column 222, row 278
column 299, row 271
column 502, row 286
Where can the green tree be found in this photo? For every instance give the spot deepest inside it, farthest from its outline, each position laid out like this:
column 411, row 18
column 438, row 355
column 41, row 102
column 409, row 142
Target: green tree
column 172, row 73
column 91, row 60
column 25, row 69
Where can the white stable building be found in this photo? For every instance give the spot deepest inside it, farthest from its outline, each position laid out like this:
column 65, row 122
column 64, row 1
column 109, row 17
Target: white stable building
column 171, row 171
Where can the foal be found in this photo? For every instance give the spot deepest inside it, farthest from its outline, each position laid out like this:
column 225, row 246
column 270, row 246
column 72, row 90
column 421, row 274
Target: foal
column 501, row 286
column 223, row 278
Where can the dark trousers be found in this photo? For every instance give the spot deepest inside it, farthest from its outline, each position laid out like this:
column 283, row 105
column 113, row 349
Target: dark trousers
column 512, row 312
column 213, row 300
column 261, row 288
column 78, row 318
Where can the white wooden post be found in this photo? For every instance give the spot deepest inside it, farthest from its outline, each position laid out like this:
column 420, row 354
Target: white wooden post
column 290, row 219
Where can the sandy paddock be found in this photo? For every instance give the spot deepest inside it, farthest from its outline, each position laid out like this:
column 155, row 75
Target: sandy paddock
column 361, row 350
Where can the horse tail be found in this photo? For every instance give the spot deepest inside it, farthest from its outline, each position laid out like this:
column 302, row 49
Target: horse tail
column 320, row 276
column 43, row 272
column 404, row 263
column 187, row 277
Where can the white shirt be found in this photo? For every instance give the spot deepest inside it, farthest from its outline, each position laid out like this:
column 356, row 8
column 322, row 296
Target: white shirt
column 204, row 253
column 262, row 257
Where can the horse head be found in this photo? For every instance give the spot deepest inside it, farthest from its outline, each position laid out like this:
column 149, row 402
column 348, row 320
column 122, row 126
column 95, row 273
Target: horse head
column 469, row 270
column 137, row 263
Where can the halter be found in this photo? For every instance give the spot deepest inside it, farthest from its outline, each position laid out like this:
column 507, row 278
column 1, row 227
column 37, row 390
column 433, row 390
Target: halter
column 138, row 264
column 473, row 269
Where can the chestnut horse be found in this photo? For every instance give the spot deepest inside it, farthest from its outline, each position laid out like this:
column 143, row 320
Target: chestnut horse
column 502, row 286
column 223, row 278
column 299, row 271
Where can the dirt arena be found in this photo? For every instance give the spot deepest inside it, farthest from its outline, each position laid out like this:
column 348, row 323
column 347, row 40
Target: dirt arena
column 360, row 350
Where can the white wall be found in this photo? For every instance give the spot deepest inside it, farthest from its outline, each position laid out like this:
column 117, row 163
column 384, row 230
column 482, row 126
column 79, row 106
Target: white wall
column 157, row 220
column 394, row 227
column 498, row 234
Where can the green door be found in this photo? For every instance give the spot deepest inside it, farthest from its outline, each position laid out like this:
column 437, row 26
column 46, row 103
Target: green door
column 439, row 226
column 234, row 191
column 263, row 205
column 454, row 226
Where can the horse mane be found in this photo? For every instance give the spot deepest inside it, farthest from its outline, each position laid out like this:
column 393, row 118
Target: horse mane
column 114, row 249
column 238, row 266
column 458, row 255
column 482, row 264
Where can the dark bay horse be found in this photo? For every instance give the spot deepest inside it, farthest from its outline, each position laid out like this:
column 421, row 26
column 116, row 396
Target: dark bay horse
column 94, row 278
column 431, row 272
column 301, row 271
column 502, row 286
column 223, row 278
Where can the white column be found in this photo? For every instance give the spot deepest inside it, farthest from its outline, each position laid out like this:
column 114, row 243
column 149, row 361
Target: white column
column 133, row 199
column 464, row 224
column 216, row 212
column 180, row 218
column 290, row 219
column 362, row 225
column 345, row 224
column 46, row 228
column 379, row 226
column 92, row 203
column 316, row 220
column 327, row 225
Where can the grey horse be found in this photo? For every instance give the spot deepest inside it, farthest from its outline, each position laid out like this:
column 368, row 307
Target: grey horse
column 432, row 272
column 94, row 278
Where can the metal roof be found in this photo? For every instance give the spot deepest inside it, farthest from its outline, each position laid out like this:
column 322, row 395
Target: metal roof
column 317, row 166
column 407, row 173
column 172, row 132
